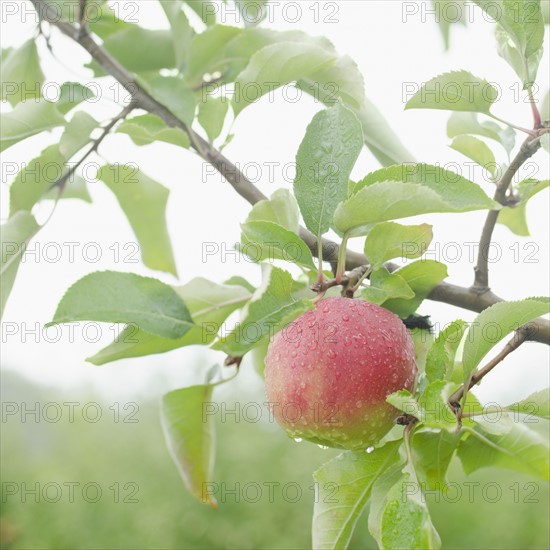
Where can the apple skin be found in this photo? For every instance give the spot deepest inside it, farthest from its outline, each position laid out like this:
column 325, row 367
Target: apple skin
column 329, row 372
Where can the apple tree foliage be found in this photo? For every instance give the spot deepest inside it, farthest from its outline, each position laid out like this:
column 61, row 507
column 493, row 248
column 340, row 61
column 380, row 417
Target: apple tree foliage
column 166, row 73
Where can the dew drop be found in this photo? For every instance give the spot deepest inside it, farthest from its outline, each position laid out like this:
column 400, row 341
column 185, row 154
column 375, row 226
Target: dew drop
column 370, row 449
column 293, row 366
column 347, row 341
column 298, row 439
column 325, row 309
column 294, row 353
column 331, row 353
column 345, row 318
column 302, row 385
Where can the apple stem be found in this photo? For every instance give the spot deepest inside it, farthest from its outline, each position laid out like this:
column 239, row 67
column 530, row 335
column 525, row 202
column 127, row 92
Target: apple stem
column 341, row 268
column 320, row 276
column 537, row 122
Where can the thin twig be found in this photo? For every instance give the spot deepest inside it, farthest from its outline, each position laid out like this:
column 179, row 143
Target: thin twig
column 60, row 183
column 520, row 336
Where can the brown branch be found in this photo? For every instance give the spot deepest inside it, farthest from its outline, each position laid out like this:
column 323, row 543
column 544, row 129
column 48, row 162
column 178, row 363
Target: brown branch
column 458, row 296
column 520, row 336
column 527, row 150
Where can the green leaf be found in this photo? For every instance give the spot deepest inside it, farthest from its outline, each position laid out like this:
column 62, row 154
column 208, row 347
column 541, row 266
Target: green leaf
column 209, row 305
column 545, row 104
column 431, row 408
column 77, row 134
column 147, row 129
column 520, row 34
column 270, row 309
column 389, row 240
column 432, row 453
column 449, row 12
column 253, row 12
column 257, row 357
column 210, row 51
column 343, row 80
column 263, row 240
column 408, row 190
column 476, row 150
column 422, row 276
column 422, row 339
column 190, row 439
column 537, row 404
column 277, row 65
column 441, row 356
column 494, row 323
column 22, row 77
column 139, row 50
column 385, row 286
column 71, row 94
column 240, row 281
column 212, row 113
column 15, row 234
column 75, row 188
column 467, row 123
column 182, row 32
column 520, row 449
column 108, row 22
column 399, row 517
column 380, row 138
column 455, row 91
column 324, row 161
column 36, row 178
column 342, row 489
column 143, row 201
column 28, row 119
column 281, row 208
column 434, row 404
column 205, row 9
column 114, row 297
column 174, row 94
column 515, row 217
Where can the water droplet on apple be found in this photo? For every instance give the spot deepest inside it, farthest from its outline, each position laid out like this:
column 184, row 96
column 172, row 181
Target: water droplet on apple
column 332, row 354
column 294, row 353
column 345, row 318
column 359, row 404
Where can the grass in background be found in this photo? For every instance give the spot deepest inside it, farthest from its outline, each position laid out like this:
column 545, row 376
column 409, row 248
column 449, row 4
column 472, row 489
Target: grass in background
column 165, row 516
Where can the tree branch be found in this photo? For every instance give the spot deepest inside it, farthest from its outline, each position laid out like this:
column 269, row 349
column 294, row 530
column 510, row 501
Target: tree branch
column 527, row 150
column 458, row 296
column 520, row 336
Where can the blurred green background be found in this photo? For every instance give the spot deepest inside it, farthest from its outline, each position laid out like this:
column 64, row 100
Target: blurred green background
column 165, row 516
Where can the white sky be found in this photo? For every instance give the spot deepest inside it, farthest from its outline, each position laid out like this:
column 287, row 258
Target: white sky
column 390, row 52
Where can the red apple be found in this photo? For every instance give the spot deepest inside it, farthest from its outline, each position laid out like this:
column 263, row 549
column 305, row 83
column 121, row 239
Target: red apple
column 329, row 372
